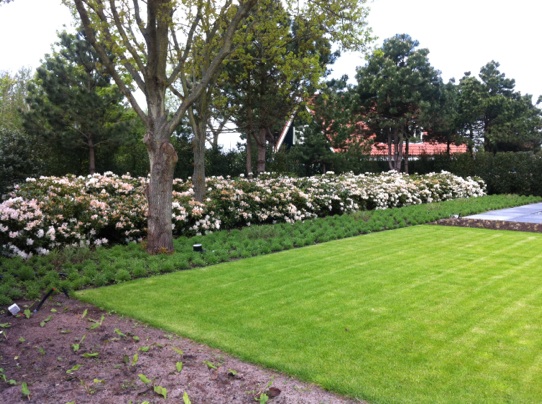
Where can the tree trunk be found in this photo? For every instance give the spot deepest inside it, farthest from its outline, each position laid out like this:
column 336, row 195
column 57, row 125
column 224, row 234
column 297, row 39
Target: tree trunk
column 198, row 145
column 163, row 157
column 249, row 154
column 91, row 156
column 407, row 143
column 261, row 143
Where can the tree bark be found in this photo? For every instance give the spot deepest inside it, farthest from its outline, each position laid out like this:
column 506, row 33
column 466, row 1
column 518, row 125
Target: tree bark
column 91, row 156
column 163, row 157
column 198, row 146
column 407, row 143
column 261, row 144
column 249, row 154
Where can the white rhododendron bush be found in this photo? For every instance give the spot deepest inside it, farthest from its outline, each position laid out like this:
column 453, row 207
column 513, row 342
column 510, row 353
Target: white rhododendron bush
column 52, row 212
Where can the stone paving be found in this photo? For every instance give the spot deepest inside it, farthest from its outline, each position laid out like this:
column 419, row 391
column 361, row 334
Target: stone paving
column 522, row 214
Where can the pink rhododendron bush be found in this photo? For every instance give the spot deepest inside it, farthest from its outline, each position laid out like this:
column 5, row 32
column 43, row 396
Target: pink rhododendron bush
column 52, row 212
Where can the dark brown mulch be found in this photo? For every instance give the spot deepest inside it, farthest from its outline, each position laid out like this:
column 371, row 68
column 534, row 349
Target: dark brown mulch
column 40, row 351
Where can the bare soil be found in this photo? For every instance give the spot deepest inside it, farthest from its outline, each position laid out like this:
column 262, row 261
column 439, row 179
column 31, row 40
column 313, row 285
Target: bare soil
column 66, row 352
column 42, row 351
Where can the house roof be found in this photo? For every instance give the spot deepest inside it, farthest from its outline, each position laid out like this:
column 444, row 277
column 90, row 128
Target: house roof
column 419, row 149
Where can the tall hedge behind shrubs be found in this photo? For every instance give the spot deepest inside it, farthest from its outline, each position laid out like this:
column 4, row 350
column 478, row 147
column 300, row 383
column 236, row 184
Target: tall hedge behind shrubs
column 504, row 173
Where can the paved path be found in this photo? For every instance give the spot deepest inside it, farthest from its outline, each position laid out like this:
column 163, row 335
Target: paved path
column 523, row 214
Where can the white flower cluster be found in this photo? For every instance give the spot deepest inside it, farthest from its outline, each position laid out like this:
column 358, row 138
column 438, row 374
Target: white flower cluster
column 52, row 212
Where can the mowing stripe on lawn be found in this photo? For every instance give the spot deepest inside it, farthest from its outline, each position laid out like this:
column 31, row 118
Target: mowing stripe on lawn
column 422, row 314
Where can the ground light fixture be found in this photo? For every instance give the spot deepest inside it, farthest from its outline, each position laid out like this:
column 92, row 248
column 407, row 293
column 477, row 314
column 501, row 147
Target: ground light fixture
column 197, row 248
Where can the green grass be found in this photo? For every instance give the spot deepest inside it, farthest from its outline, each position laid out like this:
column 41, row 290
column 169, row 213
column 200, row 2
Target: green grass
column 425, row 314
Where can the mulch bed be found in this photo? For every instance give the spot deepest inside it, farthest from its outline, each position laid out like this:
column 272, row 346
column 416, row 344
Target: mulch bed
column 40, row 351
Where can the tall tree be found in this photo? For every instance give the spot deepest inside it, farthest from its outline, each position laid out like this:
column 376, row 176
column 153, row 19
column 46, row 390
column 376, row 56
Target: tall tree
column 397, row 84
column 74, row 106
column 495, row 117
column 280, row 64
column 152, row 44
column 149, row 43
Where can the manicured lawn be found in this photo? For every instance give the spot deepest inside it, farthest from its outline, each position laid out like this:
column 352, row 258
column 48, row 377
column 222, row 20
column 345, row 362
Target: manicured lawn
column 422, row 314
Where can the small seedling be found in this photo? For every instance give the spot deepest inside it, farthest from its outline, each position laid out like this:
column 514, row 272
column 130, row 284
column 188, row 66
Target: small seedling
column 73, row 369
column 144, row 348
column 210, row 365
column 135, row 358
column 53, row 310
column 97, row 323
column 186, row 400
column 77, row 345
column 41, row 350
column 84, row 313
column 262, row 399
column 232, row 372
column 135, row 338
column 21, row 340
column 179, row 351
column 161, row 391
column 144, row 378
column 25, row 391
column 119, row 333
column 27, row 313
column 91, row 355
column 5, row 325
column 179, row 366
column 45, row 321
column 5, row 379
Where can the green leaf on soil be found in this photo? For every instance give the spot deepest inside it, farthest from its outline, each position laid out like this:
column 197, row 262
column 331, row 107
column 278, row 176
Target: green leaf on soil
column 119, row 332
column 161, row 391
column 27, row 313
column 179, row 366
column 144, row 348
column 73, row 369
column 186, row 400
column 5, row 325
column 134, row 360
column 25, row 391
column 91, row 355
column 144, row 378
column 210, row 365
column 179, row 351
column 84, row 313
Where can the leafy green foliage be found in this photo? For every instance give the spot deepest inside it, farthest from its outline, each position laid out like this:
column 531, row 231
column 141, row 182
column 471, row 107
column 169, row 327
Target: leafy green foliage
column 75, row 113
column 492, row 116
column 395, row 88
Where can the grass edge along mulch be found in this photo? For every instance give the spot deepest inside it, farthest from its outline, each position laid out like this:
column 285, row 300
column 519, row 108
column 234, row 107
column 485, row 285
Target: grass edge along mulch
column 421, row 314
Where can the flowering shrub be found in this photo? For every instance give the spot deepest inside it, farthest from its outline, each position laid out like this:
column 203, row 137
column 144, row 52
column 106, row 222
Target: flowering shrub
column 52, row 212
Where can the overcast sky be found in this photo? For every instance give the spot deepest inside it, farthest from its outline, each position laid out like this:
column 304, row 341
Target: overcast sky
column 461, row 35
